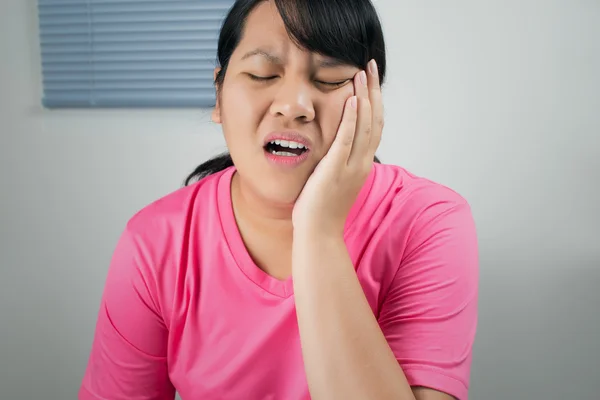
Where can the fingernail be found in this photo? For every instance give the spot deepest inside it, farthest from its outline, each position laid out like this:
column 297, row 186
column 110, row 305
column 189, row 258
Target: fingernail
column 363, row 77
column 353, row 102
column 373, row 67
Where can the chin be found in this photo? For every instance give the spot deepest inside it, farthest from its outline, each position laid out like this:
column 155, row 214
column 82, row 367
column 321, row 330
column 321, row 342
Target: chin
column 275, row 187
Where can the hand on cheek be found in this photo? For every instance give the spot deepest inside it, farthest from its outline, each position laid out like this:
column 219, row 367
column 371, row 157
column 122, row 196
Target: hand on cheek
column 333, row 187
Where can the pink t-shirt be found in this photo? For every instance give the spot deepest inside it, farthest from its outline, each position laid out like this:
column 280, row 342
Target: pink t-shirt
column 185, row 308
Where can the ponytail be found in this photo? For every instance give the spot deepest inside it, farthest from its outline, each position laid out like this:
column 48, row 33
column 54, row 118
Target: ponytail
column 212, row 166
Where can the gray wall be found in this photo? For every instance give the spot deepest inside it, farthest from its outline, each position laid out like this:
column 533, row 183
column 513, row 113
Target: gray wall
column 498, row 100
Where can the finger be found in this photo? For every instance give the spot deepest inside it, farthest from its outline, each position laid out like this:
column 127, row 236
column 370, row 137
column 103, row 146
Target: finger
column 344, row 138
column 361, row 147
column 376, row 100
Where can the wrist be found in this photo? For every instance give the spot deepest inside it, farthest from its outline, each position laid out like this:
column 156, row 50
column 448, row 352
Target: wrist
column 318, row 232
column 313, row 250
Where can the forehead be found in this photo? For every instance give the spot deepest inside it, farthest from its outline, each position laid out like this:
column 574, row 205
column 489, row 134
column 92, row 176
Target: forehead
column 265, row 34
column 265, row 21
column 264, row 27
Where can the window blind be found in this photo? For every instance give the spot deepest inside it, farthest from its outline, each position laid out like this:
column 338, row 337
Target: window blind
column 129, row 53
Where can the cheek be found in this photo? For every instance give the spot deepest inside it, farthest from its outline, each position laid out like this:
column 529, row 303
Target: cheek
column 331, row 116
column 241, row 114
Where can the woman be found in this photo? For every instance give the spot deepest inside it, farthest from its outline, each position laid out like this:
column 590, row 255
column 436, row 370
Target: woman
column 297, row 267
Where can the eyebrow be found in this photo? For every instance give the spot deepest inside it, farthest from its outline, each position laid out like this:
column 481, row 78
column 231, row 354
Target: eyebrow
column 324, row 63
column 260, row 52
column 332, row 63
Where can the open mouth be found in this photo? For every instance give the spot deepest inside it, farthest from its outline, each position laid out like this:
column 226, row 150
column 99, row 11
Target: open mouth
column 285, row 148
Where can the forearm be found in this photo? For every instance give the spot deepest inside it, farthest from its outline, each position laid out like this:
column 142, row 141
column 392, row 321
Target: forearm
column 345, row 353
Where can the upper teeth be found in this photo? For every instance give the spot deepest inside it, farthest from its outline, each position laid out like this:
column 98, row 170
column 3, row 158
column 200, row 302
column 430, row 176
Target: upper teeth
column 288, row 143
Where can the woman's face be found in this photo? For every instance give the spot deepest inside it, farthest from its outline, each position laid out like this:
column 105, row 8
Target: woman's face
column 276, row 98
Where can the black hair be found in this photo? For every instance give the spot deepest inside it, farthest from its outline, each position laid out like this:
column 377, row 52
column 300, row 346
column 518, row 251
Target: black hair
column 346, row 30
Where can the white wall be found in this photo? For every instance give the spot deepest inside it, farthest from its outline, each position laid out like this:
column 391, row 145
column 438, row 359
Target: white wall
column 499, row 100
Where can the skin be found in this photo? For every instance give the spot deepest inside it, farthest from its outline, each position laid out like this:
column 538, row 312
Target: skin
column 302, row 211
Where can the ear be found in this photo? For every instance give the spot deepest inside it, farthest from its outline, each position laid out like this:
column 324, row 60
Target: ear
column 216, row 113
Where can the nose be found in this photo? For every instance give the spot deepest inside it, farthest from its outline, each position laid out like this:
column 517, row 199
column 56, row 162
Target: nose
column 293, row 101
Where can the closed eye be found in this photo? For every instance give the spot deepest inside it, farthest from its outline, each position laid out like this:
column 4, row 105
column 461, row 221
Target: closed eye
column 333, row 84
column 261, row 78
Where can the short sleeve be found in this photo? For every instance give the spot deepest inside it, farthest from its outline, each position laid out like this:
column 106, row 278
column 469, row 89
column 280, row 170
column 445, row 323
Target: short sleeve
column 429, row 315
column 128, row 359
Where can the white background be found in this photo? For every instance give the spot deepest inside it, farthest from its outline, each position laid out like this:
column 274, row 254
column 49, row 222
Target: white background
column 499, row 100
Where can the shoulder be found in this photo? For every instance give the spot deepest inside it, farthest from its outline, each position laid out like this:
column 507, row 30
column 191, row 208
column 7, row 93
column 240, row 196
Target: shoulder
column 410, row 190
column 159, row 233
column 174, row 210
column 407, row 210
column 409, row 201
column 158, row 237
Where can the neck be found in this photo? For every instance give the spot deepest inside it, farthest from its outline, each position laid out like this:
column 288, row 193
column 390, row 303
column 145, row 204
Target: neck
column 250, row 209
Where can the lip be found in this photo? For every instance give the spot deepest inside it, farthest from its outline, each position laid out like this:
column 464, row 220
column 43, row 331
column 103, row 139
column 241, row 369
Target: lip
column 284, row 161
column 291, row 136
